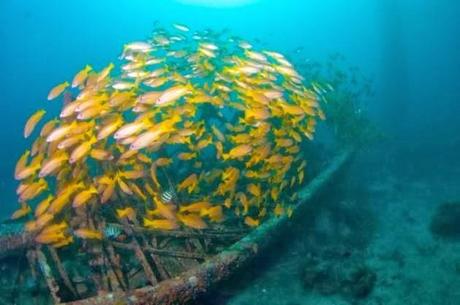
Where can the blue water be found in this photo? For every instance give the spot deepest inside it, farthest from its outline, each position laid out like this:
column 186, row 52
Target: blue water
column 409, row 48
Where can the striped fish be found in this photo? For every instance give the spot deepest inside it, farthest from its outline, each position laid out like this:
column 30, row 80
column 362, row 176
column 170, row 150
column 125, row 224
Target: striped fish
column 112, row 232
column 169, row 196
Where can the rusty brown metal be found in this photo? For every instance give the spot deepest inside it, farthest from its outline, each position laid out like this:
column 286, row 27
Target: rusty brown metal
column 60, row 268
column 15, row 242
column 47, row 274
column 199, row 280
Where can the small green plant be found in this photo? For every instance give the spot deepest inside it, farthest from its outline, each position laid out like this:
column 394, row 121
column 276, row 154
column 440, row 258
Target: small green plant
column 345, row 91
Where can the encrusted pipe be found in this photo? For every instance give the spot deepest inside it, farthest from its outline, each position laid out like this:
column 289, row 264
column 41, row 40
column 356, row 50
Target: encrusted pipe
column 199, row 280
column 48, row 275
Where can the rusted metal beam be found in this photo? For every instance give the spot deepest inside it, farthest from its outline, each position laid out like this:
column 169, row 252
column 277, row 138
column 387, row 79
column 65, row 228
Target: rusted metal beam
column 47, row 274
column 163, row 252
column 218, row 234
column 15, row 239
column 202, row 278
column 60, row 268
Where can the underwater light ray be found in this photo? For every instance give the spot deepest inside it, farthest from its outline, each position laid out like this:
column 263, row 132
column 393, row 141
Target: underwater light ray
column 218, row 3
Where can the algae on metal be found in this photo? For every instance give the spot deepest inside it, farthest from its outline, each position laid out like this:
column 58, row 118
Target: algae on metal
column 200, row 280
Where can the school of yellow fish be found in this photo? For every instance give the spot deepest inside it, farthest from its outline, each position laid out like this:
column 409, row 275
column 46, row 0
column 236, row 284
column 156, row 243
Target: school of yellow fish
column 208, row 115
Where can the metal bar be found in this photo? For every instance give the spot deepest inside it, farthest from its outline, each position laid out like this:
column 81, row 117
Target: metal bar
column 115, row 265
column 47, row 274
column 14, row 242
column 62, row 272
column 199, row 280
column 156, row 259
column 183, row 233
column 140, row 255
column 182, row 254
column 13, row 238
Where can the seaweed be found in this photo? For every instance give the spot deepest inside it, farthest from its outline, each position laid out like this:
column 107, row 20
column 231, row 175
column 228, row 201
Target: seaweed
column 345, row 92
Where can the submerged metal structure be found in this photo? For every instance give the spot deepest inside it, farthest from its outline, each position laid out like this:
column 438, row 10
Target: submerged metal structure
column 166, row 267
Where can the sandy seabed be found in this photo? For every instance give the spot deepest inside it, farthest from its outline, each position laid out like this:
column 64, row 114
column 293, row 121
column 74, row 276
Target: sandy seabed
column 412, row 265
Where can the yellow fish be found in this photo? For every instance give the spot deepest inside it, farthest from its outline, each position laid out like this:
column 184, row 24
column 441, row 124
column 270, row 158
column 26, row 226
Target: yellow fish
column 43, row 220
column 160, row 224
column 283, row 142
column 137, row 191
column 163, row 161
column 300, row 177
column 28, row 171
column 144, row 159
column 33, row 190
column 56, row 91
column 127, row 213
column 219, row 135
column 279, row 210
column 23, row 211
column 48, row 127
column 101, row 155
column 186, row 156
column 82, row 150
column 132, row 174
column 172, row 94
column 50, row 237
column 81, row 76
column 53, row 164
column 192, row 221
column 131, row 129
column 64, row 242
column 105, row 72
column 60, row 132
column 228, row 203
column 86, row 233
column 124, row 186
column 274, row 193
column 164, row 210
column 252, row 222
column 148, row 138
column 190, row 183
column 54, row 228
column 195, row 207
column 21, row 164
column 32, row 122
column 215, row 214
column 149, row 115
column 203, row 143
column 84, row 197
column 30, row 226
column 292, row 109
column 43, row 205
column 108, row 129
column 108, row 192
column 254, row 189
column 244, row 201
column 238, row 152
column 155, row 82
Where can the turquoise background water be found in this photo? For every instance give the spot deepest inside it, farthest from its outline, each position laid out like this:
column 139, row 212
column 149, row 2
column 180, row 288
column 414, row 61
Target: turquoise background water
column 408, row 47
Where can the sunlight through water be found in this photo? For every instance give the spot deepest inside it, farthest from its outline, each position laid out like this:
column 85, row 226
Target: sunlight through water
column 218, row 3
